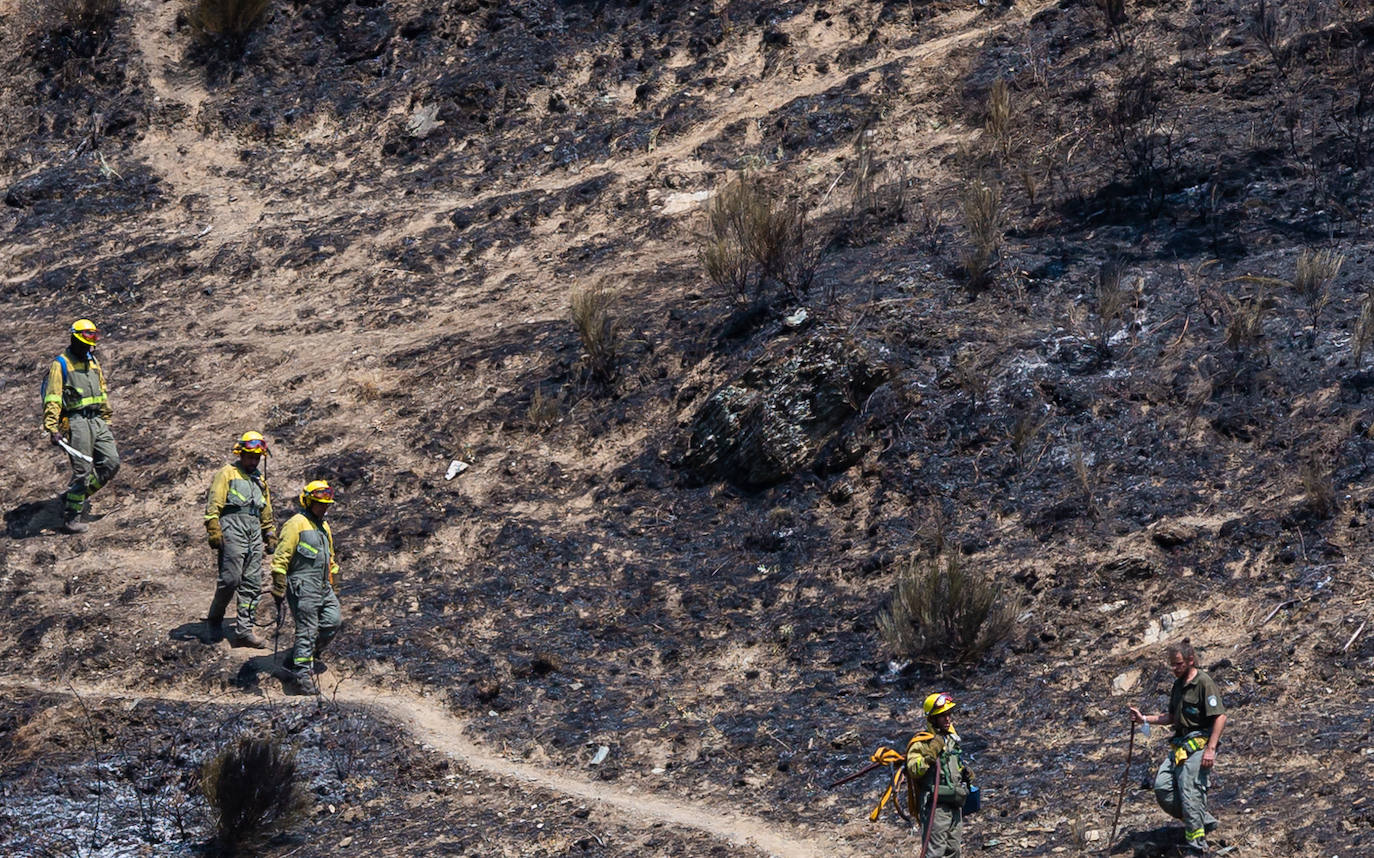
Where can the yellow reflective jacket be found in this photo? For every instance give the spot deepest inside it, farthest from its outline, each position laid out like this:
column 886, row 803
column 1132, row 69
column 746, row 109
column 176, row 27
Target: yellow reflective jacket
column 235, row 491
column 922, row 752
column 82, row 386
column 300, row 530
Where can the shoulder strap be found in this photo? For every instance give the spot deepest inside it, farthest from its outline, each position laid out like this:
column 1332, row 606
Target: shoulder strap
column 62, row 361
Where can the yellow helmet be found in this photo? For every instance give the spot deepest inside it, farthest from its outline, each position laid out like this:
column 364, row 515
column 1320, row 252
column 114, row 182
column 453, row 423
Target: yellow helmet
column 937, row 704
column 251, row 442
column 317, row 491
column 86, row 331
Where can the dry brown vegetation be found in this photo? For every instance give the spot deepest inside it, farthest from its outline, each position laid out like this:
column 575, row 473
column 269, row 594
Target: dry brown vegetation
column 943, row 611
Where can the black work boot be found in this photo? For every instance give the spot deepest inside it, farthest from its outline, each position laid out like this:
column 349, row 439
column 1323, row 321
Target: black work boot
column 249, row 639
column 214, row 631
column 305, row 683
column 72, row 523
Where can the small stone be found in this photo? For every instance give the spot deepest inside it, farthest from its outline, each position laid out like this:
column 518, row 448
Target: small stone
column 455, row 468
column 1126, row 681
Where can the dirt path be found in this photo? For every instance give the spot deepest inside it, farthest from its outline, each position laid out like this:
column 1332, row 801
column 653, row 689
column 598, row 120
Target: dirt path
column 431, row 725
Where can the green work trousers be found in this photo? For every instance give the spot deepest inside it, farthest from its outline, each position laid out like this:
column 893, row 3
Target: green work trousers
column 240, row 571
column 1181, row 790
column 92, row 436
column 946, row 829
column 315, row 608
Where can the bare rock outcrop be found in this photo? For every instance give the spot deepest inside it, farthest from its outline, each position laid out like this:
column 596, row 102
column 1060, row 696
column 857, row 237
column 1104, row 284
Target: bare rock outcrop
column 774, row 421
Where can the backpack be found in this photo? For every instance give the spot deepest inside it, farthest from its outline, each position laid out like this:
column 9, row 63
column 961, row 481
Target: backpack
column 43, row 391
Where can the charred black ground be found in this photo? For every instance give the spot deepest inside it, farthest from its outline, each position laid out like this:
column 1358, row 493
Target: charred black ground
column 362, row 235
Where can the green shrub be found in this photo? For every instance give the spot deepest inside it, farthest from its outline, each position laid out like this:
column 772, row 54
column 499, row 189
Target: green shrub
column 252, row 790
column 226, row 22
column 942, row 610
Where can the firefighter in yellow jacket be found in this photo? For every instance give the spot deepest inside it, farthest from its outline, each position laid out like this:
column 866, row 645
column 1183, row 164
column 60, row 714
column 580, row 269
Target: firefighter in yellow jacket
column 934, row 764
column 303, row 573
column 238, row 524
column 75, row 402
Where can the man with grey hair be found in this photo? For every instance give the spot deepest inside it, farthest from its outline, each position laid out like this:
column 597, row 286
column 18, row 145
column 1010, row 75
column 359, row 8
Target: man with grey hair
column 1198, row 716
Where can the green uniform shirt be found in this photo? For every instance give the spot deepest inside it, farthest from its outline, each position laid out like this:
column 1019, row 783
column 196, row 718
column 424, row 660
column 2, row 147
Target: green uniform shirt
column 922, row 752
column 1194, row 705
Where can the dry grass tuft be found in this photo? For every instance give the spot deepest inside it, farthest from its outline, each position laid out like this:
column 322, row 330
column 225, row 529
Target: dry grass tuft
column 598, row 330
column 227, row 22
column 1364, row 329
column 943, row 610
column 1318, row 492
column 543, row 412
column 983, row 218
column 1312, row 281
column 1113, row 299
column 251, row 788
column 1245, row 318
column 86, row 14
column 998, row 124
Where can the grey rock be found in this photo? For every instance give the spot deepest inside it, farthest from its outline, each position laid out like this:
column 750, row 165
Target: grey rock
column 761, row 429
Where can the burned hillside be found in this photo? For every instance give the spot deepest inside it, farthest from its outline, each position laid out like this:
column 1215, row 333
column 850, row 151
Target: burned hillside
column 1077, row 296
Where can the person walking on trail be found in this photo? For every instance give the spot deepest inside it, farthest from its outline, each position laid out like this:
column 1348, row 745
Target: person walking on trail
column 238, row 523
column 76, row 404
column 303, row 573
column 939, row 750
column 1198, row 716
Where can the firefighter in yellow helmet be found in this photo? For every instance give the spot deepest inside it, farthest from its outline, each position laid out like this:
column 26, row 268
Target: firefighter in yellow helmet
column 934, row 764
column 238, row 524
column 303, row 573
column 75, row 404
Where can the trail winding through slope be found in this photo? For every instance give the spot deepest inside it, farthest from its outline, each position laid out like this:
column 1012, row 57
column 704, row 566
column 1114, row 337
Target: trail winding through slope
column 432, row 726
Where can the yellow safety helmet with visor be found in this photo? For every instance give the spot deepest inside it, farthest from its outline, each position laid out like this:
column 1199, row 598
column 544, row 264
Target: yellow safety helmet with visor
column 317, row 491
column 86, row 331
column 937, row 704
column 251, row 442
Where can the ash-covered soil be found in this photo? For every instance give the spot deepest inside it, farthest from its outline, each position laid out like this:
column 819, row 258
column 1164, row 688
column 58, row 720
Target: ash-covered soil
column 361, row 237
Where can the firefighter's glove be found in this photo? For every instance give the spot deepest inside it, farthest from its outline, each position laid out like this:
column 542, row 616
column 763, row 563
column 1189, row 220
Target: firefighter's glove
column 55, row 438
column 271, row 542
column 215, row 534
column 965, row 775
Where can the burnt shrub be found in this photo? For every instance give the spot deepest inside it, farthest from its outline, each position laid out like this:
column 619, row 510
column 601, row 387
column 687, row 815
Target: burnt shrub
column 252, row 791
column 86, row 14
column 226, row 24
column 943, row 610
